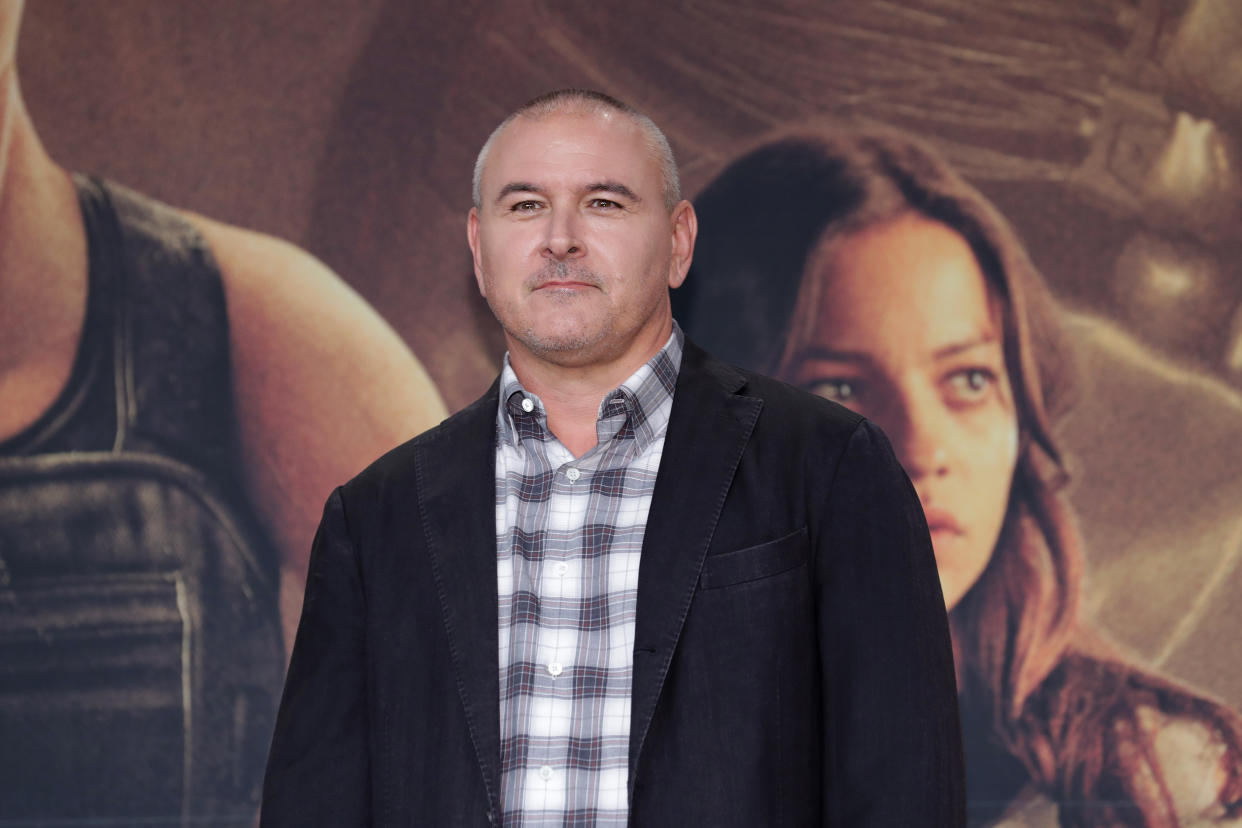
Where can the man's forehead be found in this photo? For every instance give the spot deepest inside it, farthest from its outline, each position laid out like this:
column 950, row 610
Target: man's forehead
column 586, row 143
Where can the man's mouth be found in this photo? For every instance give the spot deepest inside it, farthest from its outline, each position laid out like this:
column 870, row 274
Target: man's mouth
column 563, row 284
column 559, row 276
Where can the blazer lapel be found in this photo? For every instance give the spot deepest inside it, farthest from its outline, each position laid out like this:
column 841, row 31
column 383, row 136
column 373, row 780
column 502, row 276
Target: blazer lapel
column 707, row 432
column 456, row 476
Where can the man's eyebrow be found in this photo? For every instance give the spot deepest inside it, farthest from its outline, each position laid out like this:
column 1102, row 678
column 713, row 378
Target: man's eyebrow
column 516, row 187
column 615, row 187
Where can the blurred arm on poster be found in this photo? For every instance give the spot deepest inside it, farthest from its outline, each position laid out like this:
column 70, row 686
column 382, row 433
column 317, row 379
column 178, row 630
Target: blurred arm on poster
column 323, row 386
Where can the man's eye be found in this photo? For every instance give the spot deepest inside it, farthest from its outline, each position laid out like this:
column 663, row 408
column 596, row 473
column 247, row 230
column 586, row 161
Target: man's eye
column 525, row 206
column 604, row 204
column 840, row 390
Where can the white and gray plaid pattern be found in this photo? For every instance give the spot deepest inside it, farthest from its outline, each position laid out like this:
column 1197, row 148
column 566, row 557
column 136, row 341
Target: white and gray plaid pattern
column 568, row 536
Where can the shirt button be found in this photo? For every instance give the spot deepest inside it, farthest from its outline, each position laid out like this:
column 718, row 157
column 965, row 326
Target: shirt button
column 528, row 405
column 555, row 669
column 573, row 474
column 545, row 773
column 561, row 568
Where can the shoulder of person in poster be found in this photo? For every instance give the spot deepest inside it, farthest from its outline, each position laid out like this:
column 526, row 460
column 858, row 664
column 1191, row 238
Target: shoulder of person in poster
column 323, row 384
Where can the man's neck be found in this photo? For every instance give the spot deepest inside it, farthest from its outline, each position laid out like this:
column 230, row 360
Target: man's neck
column 572, row 394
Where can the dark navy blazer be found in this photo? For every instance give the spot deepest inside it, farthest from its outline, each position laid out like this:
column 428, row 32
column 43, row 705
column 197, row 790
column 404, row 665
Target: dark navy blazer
column 792, row 664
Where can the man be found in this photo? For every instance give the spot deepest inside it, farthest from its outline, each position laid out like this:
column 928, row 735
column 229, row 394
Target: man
column 171, row 419
column 630, row 585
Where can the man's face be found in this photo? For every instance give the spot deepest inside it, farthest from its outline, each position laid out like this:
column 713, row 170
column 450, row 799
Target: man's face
column 573, row 246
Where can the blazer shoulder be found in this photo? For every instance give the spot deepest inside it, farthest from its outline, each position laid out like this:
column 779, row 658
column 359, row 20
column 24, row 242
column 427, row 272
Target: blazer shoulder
column 396, row 467
column 786, row 407
column 791, row 420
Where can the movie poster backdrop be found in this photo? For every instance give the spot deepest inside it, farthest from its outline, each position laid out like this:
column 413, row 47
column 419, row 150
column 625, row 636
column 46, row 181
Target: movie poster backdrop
column 1108, row 133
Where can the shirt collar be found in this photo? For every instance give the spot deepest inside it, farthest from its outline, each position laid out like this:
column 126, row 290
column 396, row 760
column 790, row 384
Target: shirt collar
column 646, row 398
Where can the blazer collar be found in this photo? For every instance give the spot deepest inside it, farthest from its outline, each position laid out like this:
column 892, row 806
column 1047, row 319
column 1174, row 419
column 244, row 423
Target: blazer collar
column 708, row 429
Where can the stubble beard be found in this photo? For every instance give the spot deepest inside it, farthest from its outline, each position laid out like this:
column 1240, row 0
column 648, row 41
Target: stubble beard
column 576, row 338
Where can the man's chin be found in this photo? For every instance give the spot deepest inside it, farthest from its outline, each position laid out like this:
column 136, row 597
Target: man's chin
column 577, row 347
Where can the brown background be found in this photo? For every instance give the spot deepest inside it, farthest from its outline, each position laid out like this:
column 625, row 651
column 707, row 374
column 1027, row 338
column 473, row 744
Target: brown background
column 1106, row 129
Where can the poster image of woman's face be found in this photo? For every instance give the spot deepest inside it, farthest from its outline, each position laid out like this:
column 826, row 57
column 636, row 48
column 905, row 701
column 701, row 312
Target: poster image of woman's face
column 897, row 322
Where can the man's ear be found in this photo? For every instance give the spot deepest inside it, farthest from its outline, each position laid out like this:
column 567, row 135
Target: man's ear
column 472, row 239
column 685, row 226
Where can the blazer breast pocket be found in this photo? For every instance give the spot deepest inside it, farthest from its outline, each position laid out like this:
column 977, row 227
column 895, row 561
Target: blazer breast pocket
column 755, row 562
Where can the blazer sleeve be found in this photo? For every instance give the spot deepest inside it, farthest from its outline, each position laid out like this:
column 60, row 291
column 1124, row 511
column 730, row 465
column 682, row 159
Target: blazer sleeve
column 892, row 739
column 318, row 767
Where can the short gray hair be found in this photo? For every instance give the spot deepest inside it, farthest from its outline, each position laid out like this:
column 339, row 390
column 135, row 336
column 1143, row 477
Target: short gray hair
column 588, row 100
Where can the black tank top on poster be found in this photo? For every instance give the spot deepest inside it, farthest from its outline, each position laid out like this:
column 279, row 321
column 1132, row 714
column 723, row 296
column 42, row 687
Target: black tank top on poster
column 141, row 658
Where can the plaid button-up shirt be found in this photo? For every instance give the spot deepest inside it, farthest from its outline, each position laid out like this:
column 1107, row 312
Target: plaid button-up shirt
column 568, row 536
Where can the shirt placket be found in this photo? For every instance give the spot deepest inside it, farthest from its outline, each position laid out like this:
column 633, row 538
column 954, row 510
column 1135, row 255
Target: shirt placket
column 551, row 768
column 573, row 678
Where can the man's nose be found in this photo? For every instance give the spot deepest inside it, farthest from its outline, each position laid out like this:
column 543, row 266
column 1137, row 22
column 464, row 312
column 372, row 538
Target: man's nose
column 564, row 239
